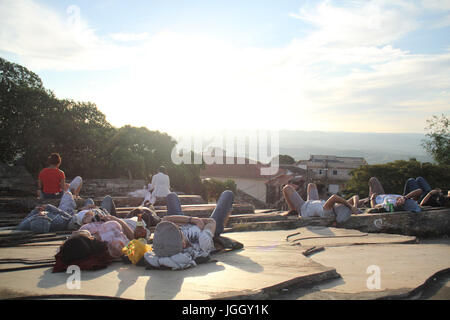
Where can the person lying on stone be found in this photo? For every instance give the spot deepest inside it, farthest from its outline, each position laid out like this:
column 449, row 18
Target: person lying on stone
column 182, row 241
column 91, row 218
column 149, row 216
column 380, row 199
column 90, row 212
column 84, row 250
column 429, row 197
column 335, row 206
column 114, row 232
column 48, row 218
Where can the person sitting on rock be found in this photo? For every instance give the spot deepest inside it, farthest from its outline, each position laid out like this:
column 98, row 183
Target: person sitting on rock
column 182, row 241
column 380, row 199
column 429, row 197
column 160, row 185
column 335, row 206
column 52, row 180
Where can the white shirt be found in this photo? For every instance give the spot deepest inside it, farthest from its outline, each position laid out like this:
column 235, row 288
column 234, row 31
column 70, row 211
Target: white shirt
column 161, row 185
column 78, row 218
column 312, row 208
column 387, row 198
column 199, row 239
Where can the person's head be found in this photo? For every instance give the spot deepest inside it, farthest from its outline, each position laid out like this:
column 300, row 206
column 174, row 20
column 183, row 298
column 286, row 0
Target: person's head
column 447, row 201
column 168, row 239
column 162, row 169
column 88, row 217
column 54, row 160
column 81, row 245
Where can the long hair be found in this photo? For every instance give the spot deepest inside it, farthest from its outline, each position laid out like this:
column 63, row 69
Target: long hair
column 80, row 247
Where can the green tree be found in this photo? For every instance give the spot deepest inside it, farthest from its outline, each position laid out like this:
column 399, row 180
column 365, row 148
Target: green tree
column 285, row 159
column 34, row 123
column 214, row 188
column 437, row 143
column 393, row 176
column 135, row 152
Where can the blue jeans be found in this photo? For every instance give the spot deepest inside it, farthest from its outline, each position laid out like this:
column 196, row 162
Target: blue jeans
column 59, row 219
column 109, row 205
column 418, row 183
column 224, row 205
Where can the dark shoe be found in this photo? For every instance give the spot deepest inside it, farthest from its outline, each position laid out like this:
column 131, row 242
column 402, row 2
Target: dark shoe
column 227, row 243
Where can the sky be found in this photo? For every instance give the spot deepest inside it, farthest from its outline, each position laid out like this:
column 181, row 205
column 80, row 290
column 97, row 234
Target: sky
column 352, row 66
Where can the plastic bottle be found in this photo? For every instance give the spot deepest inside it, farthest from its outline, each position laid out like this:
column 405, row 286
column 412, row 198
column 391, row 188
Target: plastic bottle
column 391, row 207
column 140, row 233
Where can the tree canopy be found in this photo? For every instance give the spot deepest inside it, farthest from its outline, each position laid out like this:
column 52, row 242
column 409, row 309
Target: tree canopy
column 393, row 176
column 437, row 143
column 35, row 123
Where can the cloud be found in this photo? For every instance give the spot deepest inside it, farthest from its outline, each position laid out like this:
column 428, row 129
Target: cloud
column 126, row 37
column 345, row 75
column 55, row 42
column 436, row 4
column 365, row 23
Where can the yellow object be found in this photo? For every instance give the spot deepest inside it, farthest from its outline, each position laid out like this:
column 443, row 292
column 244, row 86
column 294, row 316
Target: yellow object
column 136, row 249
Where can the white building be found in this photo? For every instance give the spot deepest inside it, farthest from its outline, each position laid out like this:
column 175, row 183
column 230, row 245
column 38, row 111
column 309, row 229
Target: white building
column 332, row 171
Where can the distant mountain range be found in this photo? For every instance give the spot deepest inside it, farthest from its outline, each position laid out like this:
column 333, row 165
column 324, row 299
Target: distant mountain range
column 374, row 147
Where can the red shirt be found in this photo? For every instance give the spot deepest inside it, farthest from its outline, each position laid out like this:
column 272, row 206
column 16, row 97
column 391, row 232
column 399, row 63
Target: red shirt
column 51, row 179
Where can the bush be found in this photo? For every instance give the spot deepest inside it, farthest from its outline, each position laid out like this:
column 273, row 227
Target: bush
column 214, row 188
column 393, row 176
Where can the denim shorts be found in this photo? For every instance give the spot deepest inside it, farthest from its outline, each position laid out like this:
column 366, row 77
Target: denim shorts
column 51, row 195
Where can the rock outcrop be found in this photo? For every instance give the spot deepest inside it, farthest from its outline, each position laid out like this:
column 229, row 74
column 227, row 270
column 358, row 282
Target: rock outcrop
column 16, row 181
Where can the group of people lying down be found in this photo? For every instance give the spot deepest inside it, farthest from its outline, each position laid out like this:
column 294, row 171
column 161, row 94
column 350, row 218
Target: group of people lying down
column 100, row 237
column 181, row 241
column 417, row 192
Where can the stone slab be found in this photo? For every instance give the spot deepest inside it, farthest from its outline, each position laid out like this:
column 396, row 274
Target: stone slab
column 255, row 271
column 402, row 268
column 428, row 223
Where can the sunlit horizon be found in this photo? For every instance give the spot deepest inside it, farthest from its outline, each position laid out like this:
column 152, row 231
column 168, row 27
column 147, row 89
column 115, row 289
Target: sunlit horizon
column 331, row 66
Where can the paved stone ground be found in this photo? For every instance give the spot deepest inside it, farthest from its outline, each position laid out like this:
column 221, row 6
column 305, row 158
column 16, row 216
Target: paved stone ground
column 269, row 267
column 403, row 268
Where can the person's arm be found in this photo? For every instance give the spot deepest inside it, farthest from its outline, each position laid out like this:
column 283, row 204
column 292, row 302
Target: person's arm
column 129, row 233
column 202, row 223
column 414, row 194
column 429, row 195
column 372, row 200
column 63, row 184
column 39, row 190
column 336, row 199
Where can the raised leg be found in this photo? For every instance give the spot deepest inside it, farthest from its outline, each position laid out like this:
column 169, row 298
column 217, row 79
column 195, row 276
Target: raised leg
column 375, row 187
column 312, row 192
column 173, row 205
column 109, row 205
column 222, row 211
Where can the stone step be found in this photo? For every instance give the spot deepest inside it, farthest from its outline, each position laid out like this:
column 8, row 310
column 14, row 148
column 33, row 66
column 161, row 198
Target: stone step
column 26, row 204
column 431, row 223
column 199, row 210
